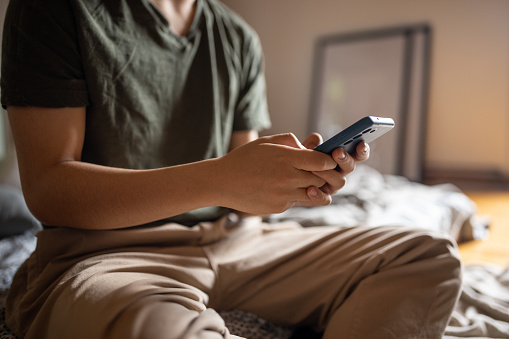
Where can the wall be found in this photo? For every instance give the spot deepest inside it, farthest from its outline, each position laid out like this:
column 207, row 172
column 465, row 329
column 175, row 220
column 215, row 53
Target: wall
column 3, row 140
column 8, row 164
column 468, row 118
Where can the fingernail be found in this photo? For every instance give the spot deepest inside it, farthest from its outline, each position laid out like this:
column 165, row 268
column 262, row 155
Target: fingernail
column 342, row 155
column 313, row 192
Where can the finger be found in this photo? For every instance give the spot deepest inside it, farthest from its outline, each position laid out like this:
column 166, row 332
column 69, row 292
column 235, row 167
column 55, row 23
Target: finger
column 362, row 151
column 318, row 197
column 334, row 181
column 344, row 160
column 313, row 140
column 298, row 156
column 309, row 160
column 302, row 198
column 290, row 199
column 304, row 179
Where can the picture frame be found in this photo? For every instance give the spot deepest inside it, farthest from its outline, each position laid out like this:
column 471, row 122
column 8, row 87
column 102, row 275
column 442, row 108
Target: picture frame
column 381, row 72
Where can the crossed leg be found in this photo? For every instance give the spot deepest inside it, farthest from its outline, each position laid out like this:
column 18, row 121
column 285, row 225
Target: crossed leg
column 387, row 282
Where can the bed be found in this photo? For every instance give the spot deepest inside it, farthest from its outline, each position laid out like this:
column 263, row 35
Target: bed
column 369, row 198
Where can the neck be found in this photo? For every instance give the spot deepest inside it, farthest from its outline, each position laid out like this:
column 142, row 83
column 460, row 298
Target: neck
column 179, row 13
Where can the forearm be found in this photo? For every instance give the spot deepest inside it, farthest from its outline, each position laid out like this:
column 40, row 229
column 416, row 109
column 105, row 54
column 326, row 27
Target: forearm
column 82, row 195
column 63, row 191
column 267, row 175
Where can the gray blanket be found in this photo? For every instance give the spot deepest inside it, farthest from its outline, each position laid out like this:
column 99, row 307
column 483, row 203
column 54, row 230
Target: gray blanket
column 483, row 309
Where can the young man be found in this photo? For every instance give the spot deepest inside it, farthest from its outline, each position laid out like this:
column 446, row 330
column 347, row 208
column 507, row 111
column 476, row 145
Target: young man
column 136, row 127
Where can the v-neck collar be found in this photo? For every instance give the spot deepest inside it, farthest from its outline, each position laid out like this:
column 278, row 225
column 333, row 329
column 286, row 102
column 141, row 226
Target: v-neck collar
column 164, row 24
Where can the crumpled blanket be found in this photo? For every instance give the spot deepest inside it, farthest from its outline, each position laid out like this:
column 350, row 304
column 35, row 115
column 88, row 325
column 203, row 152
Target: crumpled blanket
column 483, row 308
column 372, row 199
column 13, row 251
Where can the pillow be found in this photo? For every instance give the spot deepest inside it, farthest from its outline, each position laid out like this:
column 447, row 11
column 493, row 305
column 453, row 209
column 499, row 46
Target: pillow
column 15, row 218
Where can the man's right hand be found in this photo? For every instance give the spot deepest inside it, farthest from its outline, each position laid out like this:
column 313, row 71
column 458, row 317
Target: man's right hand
column 270, row 175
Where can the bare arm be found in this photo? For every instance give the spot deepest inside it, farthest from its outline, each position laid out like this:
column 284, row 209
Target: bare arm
column 267, row 175
column 240, row 138
column 63, row 191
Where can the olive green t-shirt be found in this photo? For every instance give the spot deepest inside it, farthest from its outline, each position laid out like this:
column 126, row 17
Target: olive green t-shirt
column 153, row 98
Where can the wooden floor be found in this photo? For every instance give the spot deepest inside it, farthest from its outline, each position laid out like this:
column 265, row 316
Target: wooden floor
column 494, row 249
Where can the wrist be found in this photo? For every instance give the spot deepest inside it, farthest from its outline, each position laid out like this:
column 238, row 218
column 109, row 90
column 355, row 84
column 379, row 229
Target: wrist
column 217, row 182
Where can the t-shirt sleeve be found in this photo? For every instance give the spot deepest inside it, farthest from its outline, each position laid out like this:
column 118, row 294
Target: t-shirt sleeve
column 252, row 110
column 41, row 63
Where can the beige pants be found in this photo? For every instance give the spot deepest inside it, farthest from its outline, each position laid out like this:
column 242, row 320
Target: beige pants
column 166, row 281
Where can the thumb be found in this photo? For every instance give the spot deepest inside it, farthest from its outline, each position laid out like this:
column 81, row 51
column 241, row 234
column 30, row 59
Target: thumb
column 313, row 140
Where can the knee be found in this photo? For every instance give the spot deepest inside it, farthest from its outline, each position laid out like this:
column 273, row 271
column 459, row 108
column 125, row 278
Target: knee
column 433, row 252
column 440, row 257
column 451, row 258
column 443, row 246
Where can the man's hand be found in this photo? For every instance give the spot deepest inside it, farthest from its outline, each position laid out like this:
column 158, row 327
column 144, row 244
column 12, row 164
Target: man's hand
column 334, row 179
column 271, row 174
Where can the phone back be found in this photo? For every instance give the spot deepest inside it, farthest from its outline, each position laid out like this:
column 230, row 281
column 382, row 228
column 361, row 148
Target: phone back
column 367, row 129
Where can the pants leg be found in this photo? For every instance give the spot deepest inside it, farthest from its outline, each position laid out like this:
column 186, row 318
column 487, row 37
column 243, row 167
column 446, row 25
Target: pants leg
column 387, row 282
column 145, row 283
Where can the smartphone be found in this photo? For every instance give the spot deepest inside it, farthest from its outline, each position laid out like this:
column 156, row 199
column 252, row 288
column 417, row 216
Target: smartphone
column 367, row 129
